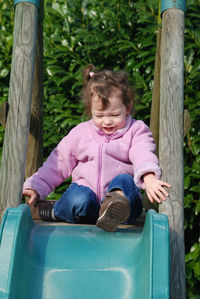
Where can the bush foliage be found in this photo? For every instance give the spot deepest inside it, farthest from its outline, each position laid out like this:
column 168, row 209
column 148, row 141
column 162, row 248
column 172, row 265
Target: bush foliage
column 113, row 34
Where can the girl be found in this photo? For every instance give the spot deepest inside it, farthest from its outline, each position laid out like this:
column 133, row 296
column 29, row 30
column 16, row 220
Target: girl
column 109, row 158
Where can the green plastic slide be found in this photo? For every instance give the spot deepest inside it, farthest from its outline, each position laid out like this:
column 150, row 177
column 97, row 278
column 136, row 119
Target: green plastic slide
column 39, row 260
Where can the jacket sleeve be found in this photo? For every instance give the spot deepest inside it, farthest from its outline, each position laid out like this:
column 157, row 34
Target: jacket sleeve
column 142, row 153
column 55, row 170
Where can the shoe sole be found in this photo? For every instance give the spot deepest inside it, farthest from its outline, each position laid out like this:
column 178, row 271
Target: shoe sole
column 117, row 212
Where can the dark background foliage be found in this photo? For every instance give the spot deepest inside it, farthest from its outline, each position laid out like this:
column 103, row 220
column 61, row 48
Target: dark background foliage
column 113, row 34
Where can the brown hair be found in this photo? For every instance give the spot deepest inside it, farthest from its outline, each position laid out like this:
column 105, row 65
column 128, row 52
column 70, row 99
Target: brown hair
column 103, row 83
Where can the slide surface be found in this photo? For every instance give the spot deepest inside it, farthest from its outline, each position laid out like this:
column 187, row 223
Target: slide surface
column 39, row 260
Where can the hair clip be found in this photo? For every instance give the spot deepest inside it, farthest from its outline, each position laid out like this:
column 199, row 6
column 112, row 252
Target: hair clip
column 91, row 74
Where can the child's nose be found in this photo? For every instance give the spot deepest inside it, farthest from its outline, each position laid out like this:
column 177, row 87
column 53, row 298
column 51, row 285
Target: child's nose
column 107, row 121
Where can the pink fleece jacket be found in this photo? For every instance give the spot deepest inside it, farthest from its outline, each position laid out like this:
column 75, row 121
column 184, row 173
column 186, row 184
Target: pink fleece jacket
column 93, row 158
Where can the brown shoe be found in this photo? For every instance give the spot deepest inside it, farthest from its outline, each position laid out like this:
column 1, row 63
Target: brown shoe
column 114, row 210
column 42, row 210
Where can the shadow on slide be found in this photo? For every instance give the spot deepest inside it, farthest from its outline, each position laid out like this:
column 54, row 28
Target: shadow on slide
column 39, row 260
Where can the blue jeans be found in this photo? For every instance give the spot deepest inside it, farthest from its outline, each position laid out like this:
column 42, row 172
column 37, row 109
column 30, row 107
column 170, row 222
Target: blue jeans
column 78, row 204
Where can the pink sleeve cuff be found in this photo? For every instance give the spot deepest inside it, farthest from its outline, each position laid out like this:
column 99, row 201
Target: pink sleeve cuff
column 145, row 169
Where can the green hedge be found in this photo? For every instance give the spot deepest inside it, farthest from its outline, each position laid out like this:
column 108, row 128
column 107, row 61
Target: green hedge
column 192, row 149
column 113, row 34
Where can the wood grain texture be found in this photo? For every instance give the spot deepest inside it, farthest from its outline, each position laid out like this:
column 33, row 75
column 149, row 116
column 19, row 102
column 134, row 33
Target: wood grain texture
column 171, row 141
column 34, row 157
column 155, row 112
column 155, row 106
column 20, row 94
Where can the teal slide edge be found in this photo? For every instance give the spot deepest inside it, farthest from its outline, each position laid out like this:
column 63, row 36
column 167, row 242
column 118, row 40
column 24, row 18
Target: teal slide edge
column 152, row 244
column 15, row 228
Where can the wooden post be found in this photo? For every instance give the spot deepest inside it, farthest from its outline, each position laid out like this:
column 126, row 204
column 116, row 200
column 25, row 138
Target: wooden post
column 20, row 94
column 155, row 111
column 34, row 157
column 171, row 140
column 155, row 106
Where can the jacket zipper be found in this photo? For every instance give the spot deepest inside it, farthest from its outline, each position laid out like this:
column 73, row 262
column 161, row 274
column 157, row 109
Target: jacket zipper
column 99, row 172
column 108, row 137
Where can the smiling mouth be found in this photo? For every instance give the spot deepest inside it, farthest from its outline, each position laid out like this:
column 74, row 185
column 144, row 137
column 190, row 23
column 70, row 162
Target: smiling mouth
column 109, row 128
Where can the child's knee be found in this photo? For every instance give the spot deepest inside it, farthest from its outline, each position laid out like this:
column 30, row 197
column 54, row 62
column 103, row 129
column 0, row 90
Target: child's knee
column 122, row 181
column 124, row 178
column 84, row 197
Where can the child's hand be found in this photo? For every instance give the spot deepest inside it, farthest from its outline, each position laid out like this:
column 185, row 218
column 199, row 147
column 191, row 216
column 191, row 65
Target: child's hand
column 154, row 188
column 30, row 193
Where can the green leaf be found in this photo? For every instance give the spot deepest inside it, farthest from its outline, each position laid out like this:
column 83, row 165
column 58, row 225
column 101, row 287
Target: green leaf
column 195, row 189
column 4, row 73
column 197, row 210
column 187, row 180
column 197, row 268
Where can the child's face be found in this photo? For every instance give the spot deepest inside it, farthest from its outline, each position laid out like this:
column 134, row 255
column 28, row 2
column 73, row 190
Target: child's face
column 113, row 117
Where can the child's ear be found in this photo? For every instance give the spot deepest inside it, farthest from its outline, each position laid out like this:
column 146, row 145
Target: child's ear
column 128, row 110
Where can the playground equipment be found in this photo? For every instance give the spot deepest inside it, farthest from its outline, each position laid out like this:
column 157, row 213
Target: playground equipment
column 73, row 261
column 169, row 126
